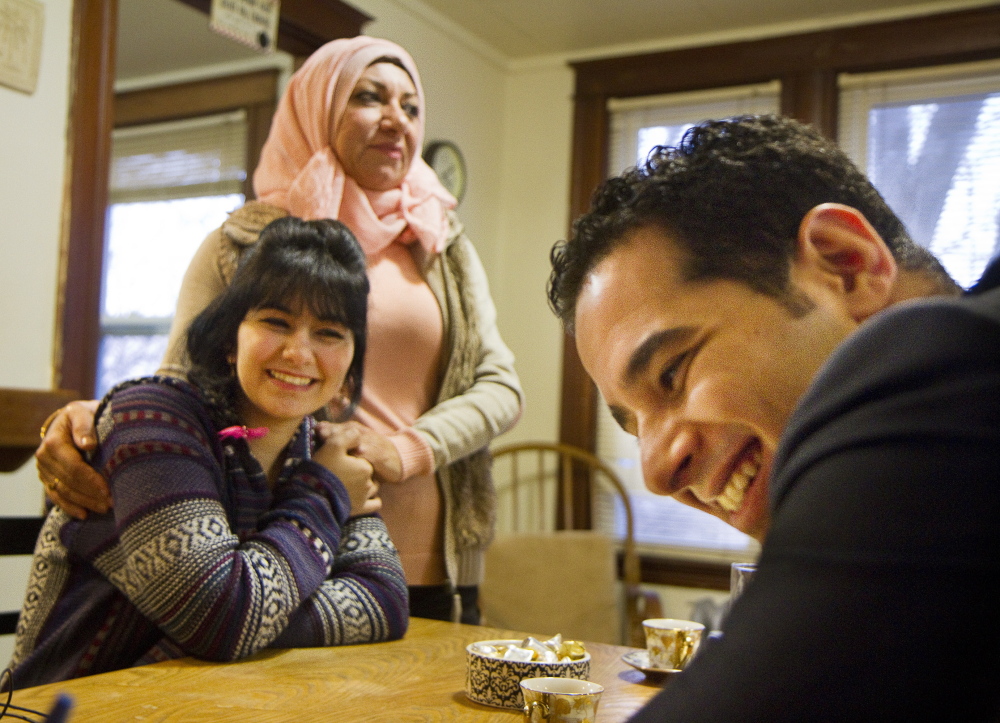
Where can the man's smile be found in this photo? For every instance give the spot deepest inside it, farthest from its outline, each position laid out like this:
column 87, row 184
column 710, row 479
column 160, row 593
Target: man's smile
column 731, row 497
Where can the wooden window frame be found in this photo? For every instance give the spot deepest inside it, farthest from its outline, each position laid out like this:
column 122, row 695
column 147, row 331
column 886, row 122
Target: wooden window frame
column 807, row 66
column 304, row 26
column 254, row 93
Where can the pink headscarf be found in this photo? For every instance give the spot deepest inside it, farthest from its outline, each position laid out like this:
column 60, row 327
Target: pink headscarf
column 299, row 172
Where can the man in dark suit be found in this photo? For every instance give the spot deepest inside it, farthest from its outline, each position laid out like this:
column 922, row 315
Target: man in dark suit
column 793, row 363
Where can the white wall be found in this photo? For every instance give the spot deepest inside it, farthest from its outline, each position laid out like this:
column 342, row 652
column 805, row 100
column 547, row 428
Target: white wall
column 534, row 215
column 32, row 173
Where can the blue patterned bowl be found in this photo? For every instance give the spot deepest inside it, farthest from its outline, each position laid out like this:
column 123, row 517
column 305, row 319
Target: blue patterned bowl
column 496, row 682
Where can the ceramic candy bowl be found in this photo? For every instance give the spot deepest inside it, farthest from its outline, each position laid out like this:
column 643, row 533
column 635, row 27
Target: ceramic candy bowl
column 492, row 680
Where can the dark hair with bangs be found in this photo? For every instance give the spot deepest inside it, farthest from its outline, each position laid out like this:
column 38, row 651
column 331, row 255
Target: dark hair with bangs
column 732, row 195
column 318, row 264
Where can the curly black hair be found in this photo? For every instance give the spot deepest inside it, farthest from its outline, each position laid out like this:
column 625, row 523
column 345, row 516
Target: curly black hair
column 316, row 263
column 732, row 195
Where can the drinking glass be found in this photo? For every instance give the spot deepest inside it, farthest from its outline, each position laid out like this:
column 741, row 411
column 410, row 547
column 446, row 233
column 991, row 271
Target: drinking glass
column 740, row 575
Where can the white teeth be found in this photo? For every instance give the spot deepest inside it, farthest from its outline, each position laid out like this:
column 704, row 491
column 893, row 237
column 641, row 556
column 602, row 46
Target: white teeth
column 290, row 379
column 732, row 496
column 727, row 504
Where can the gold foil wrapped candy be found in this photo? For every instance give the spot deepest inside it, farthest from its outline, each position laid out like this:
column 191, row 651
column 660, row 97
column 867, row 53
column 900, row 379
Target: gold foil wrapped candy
column 553, row 650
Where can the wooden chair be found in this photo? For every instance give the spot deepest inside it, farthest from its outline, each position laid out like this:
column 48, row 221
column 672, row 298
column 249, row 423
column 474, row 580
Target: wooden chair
column 22, row 412
column 549, row 570
column 17, row 537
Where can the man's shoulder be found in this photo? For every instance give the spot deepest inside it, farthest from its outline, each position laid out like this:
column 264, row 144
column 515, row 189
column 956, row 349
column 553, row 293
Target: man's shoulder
column 910, row 371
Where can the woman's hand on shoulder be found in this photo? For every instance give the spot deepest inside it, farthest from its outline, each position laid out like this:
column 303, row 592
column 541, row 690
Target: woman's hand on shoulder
column 69, row 481
column 338, row 454
column 374, row 447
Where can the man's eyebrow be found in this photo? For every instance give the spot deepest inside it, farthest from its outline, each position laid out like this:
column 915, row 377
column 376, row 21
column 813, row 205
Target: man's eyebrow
column 656, row 341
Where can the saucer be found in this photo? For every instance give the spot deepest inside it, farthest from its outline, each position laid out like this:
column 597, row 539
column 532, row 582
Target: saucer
column 639, row 659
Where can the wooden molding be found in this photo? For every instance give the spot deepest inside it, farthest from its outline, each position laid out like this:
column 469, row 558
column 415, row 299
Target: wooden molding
column 201, row 97
column 91, row 113
column 305, row 25
column 684, row 573
column 929, row 40
column 680, row 572
column 22, row 413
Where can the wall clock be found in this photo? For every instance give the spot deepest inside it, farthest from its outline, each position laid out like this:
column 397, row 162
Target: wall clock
column 449, row 165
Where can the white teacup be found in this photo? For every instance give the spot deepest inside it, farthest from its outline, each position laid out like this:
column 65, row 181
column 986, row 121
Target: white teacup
column 671, row 643
column 560, row 700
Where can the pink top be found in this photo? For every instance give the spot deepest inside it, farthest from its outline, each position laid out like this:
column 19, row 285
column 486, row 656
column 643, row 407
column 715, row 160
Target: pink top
column 402, row 369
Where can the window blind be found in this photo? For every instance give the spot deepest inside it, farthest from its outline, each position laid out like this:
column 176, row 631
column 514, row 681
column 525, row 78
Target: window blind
column 179, row 159
column 861, row 92
column 929, row 140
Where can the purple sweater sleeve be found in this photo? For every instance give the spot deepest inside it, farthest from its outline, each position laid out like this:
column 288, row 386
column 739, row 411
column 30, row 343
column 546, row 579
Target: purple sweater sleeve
column 305, row 573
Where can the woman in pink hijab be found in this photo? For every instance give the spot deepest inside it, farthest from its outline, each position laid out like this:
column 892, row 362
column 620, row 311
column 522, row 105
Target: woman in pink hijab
column 439, row 382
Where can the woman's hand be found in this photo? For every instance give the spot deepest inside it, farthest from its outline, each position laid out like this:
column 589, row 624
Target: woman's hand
column 69, row 481
column 374, row 447
column 338, row 454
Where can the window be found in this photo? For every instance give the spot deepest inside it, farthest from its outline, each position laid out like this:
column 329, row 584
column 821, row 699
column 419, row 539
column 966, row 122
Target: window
column 930, row 142
column 170, row 184
column 638, row 125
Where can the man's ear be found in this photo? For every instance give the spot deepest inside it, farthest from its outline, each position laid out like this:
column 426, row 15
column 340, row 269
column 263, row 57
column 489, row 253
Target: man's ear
column 838, row 247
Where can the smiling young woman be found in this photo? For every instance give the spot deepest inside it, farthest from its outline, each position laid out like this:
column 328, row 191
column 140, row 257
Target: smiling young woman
column 234, row 526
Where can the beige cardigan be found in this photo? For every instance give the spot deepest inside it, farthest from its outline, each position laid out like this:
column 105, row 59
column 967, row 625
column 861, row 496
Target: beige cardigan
column 461, row 425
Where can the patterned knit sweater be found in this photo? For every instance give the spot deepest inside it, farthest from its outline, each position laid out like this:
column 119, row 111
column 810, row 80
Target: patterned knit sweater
column 198, row 556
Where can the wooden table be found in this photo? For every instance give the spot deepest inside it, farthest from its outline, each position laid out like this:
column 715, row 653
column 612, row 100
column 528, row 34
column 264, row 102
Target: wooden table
column 418, row 678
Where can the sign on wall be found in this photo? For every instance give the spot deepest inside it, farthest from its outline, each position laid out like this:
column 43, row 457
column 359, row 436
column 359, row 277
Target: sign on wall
column 21, row 24
column 251, row 22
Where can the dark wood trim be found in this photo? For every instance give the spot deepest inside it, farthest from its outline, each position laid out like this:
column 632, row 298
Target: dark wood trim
column 578, row 417
column 95, row 24
column 813, row 95
column 201, row 97
column 22, row 413
column 307, row 24
column 807, row 66
column 259, row 117
column 928, row 40
column 679, row 572
column 684, row 573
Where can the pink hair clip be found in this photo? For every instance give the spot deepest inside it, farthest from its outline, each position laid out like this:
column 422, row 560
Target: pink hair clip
column 242, row 432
